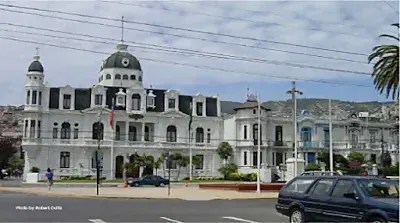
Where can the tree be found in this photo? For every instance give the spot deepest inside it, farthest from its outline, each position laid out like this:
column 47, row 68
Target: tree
column 387, row 159
column 182, row 161
column 158, row 163
column 196, row 161
column 7, row 150
column 386, row 69
column 356, row 157
column 147, row 162
column 337, row 159
column 15, row 165
column 225, row 151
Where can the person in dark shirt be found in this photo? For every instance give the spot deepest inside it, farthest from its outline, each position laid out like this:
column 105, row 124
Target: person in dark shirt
column 49, row 176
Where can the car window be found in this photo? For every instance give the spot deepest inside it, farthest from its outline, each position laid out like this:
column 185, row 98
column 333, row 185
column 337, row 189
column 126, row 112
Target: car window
column 299, row 185
column 342, row 187
column 379, row 188
column 321, row 188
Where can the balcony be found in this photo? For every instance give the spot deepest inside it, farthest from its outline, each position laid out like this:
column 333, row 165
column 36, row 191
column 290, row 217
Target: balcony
column 311, row 144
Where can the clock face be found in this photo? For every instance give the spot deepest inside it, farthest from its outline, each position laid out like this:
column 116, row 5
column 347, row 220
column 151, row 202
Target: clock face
column 125, row 62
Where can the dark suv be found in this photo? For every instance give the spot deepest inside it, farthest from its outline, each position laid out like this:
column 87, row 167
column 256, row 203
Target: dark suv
column 339, row 199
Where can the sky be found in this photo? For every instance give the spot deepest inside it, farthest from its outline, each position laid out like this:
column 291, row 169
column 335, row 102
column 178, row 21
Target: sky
column 264, row 44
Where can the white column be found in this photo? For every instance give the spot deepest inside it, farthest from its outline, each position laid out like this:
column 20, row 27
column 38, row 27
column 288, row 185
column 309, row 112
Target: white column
column 218, row 106
column 126, row 131
column 143, row 125
column 24, row 128
column 29, row 128
column 194, row 107
column 36, row 128
column 204, row 107
column 30, row 96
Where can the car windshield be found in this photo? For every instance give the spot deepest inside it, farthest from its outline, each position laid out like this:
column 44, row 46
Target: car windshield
column 380, row 188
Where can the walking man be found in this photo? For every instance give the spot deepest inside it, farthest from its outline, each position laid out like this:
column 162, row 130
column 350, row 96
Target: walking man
column 49, row 176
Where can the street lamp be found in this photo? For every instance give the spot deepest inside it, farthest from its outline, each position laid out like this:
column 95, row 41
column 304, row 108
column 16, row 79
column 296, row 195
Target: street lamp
column 169, row 162
column 293, row 92
column 190, row 143
column 99, row 134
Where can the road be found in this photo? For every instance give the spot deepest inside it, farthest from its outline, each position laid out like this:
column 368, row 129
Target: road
column 18, row 207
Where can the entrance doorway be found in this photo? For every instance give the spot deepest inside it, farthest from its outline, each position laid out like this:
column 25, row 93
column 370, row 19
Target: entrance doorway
column 119, row 167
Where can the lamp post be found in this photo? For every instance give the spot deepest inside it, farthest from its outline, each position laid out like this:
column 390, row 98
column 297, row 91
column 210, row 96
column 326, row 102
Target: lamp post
column 259, row 145
column 99, row 134
column 293, row 92
column 190, row 143
column 168, row 159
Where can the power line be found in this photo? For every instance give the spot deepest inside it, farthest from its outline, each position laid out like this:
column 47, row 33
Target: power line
column 141, row 43
column 181, row 29
column 234, row 18
column 193, row 65
column 387, row 3
column 219, row 56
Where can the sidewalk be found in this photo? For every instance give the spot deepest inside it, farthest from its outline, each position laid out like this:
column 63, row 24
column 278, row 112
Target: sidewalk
column 184, row 193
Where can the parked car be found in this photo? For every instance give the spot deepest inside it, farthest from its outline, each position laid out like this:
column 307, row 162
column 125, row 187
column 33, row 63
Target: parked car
column 339, row 199
column 320, row 173
column 148, row 180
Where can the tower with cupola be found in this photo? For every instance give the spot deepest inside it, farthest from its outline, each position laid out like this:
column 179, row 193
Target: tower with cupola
column 34, row 85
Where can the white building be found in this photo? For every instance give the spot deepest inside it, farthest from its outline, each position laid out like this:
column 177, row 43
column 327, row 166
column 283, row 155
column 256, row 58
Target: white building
column 61, row 126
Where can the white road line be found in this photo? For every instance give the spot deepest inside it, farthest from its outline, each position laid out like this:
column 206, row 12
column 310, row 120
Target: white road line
column 240, row 219
column 97, row 221
column 171, row 220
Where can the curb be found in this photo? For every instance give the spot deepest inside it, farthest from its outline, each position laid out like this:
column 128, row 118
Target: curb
column 120, row 198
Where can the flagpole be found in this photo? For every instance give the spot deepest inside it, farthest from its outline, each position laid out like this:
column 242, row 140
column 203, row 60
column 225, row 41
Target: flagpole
column 330, row 137
column 112, row 144
column 259, row 145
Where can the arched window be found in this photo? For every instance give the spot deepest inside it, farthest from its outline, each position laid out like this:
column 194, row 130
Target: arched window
column 146, row 133
column 65, row 130
column 65, row 158
column 132, row 133
column 354, row 138
column 306, row 136
column 136, row 102
column 108, row 76
column 117, row 133
column 97, row 130
column 118, row 77
column 199, row 135
column 171, row 133
column 133, row 77
column 255, row 134
column 125, row 77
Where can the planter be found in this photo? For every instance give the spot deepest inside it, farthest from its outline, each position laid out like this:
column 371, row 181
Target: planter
column 273, row 187
column 32, row 177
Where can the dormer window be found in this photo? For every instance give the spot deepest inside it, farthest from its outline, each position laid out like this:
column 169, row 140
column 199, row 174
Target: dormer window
column 125, row 77
column 140, row 78
column 108, row 76
column 171, row 103
column 67, row 101
column 98, row 99
column 136, row 102
column 151, row 99
column 199, row 109
column 133, row 77
column 118, row 77
column 120, row 98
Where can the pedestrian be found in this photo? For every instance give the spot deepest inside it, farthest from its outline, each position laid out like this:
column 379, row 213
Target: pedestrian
column 49, row 176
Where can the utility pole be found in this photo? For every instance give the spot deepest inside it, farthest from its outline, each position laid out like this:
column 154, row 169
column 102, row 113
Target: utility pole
column 259, row 145
column 190, row 142
column 99, row 134
column 293, row 92
column 383, row 154
column 330, row 137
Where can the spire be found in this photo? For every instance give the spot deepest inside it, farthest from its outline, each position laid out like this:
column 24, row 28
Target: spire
column 37, row 57
column 122, row 46
column 248, row 91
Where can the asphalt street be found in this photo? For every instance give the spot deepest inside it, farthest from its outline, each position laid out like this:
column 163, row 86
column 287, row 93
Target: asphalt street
column 18, row 207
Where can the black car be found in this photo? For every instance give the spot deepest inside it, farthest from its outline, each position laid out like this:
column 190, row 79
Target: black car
column 339, row 199
column 148, row 180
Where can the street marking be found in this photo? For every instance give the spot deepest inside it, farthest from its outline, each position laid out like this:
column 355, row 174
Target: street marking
column 240, row 219
column 171, row 220
column 97, row 221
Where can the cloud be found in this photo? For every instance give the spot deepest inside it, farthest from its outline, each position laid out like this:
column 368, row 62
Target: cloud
column 345, row 26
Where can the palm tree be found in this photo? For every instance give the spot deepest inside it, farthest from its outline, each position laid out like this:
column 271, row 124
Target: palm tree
column 386, row 70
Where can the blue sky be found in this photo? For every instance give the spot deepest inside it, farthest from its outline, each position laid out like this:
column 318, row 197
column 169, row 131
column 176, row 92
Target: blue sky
column 333, row 25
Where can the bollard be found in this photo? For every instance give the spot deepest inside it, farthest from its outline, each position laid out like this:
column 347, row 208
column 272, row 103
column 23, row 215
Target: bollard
column 126, row 184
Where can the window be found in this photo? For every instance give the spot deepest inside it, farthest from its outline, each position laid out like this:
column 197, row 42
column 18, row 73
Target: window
column 117, row 133
column 28, row 97
column 133, row 77
column 254, row 111
column 279, row 159
column 132, row 133
column 32, row 129
column 278, row 133
column 26, row 128
column 136, row 102
column 208, row 137
column 245, row 132
column 55, row 133
column 140, row 78
column 199, row 162
column 199, row 135
column 99, row 157
column 40, row 98
column 171, row 133
column 342, row 187
column 171, row 164
column 245, row 158
column 34, row 97
column 298, row 185
column 150, row 101
column 326, row 137
column 118, row 77
column 255, row 134
column 65, row 130
column 322, row 187
column 67, row 101
column 76, row 133
column 125, row 77
column 98, row 99
column 354, row 139
column 372, row 136
column 108, row 76
column 255, row 158
column 146, row 133
column 97, row 130
column 379, row 188
column 38, row 128
column 171, row 103
column 64, row 159
column 306, row 134
column 199, row 109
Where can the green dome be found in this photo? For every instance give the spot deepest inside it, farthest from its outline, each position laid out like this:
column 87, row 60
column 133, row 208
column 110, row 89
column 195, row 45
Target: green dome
column 122, row 60
column 36, row 66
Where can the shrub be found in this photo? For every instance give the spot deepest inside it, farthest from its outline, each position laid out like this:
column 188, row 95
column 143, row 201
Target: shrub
column 242, row 177
column 35, row 169
column 228, row 169
column 312, row 167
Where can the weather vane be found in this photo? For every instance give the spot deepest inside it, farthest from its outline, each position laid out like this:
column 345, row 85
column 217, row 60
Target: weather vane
column 37, row 51
column 122, row 29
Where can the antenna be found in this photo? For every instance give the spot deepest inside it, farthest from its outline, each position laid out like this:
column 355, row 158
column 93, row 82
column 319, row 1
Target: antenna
column 122, row 29
column 248, row 91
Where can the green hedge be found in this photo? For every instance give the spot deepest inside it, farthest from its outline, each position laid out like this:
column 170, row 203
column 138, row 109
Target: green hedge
column 242, row 177
column 88, row 177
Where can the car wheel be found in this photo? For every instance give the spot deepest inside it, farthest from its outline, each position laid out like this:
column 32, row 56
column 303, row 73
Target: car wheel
column 296, row 216
column 162, row 184
column 377, row 220
column 136, row 184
